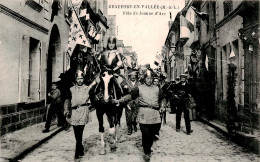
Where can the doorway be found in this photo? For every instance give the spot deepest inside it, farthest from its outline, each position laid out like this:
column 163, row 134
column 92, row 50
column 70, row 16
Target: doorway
column 52, row 62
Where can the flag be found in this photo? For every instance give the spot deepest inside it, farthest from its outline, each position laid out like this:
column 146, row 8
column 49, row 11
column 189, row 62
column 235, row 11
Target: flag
column 91, row 31
column 202, row 15
column 207, row 62
column 84, row 13
column 98, row 36
column 76, row 35
column 186, row 27
column 94, row 33
column 158, row 57
column 232, row 54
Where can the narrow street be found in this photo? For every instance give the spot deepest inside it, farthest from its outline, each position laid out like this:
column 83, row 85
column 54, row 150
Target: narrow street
column 204, row 144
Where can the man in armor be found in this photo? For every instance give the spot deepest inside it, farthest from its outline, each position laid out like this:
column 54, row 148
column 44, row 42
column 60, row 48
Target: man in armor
column 111, row 60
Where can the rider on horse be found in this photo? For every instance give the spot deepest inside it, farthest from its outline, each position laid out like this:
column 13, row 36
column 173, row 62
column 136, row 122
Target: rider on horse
column 109, row 88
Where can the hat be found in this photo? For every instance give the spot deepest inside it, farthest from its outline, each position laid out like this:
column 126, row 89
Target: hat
column 54, row 83
column 156, row 77
column 183, row 76
column 133, row 73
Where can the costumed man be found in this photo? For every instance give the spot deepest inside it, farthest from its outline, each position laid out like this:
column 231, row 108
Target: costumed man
column 111, row 58
column 151, row 103
column 76, row 109
column 182, row 93
column 131, row 108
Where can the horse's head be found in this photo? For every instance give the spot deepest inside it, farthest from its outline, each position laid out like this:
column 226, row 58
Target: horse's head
column 106, row 77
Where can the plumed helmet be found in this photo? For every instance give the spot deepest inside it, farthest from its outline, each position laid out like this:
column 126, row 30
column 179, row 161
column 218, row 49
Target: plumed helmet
column 79, row 73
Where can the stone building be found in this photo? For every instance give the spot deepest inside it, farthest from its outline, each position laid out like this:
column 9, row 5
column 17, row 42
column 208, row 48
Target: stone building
column 34, row 41
column 225, row 50
column 239, row 47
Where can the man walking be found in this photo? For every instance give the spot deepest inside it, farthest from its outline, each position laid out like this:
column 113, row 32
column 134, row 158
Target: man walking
column 172, row 98
column 183, row 92
column 131, row 110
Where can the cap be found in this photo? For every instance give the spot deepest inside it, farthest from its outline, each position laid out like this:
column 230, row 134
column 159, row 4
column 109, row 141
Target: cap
column 54, row 83
column 183, row 76
column 133, row 73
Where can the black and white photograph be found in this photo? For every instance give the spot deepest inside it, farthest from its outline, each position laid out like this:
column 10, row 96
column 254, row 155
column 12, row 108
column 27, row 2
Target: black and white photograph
column 129, row 80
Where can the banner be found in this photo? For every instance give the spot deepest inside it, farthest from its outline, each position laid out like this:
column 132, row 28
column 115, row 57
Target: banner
column 77, row 35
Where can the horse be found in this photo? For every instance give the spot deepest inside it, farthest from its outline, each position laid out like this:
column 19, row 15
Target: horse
column 101, row 98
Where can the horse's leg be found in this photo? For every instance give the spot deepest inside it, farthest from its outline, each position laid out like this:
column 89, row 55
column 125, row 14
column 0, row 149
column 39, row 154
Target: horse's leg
column 112, row 131
column 100, row 113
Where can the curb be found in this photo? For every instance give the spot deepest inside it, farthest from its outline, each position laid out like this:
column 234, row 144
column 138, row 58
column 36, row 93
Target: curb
column 37, row 144
column 251, row 143
column 215, row 126
column 20, row 156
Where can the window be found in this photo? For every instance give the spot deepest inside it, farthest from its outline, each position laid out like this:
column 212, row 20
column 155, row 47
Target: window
column 228, row 6
column 34, row 69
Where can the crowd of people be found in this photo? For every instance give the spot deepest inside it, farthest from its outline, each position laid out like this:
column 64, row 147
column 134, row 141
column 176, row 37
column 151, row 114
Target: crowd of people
column 145, row 100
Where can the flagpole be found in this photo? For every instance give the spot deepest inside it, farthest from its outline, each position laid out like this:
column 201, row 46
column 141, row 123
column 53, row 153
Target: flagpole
column 198, row 14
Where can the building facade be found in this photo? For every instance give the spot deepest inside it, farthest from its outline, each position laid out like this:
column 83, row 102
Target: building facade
column 224, row 44
column 34, row 41
column 241, row 49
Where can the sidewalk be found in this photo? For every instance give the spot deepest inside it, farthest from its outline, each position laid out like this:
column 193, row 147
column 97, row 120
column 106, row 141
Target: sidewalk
column 249, row 141
column 17, row 144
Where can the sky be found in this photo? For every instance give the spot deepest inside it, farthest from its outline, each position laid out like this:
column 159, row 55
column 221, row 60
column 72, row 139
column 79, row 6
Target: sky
column 145, row 33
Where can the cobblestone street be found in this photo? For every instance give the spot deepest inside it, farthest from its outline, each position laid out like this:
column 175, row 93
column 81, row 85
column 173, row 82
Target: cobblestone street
column 204, row 144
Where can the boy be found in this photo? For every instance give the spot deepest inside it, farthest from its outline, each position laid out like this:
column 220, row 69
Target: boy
column 55, row 107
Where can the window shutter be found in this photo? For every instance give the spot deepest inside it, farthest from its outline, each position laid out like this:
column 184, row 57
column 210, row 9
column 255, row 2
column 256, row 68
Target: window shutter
column 43, row 70
column 24, row 67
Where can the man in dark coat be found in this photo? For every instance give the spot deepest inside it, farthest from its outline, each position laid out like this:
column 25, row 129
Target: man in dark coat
column 182, row 93
column 172, row 98
column 131, row 109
